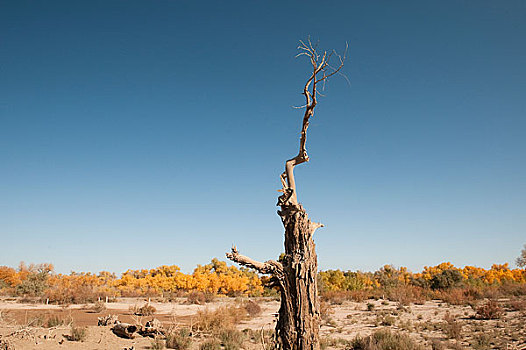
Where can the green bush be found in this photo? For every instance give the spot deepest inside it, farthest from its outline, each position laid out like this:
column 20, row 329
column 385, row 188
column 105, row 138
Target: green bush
column 34, row 285
column 447, row 279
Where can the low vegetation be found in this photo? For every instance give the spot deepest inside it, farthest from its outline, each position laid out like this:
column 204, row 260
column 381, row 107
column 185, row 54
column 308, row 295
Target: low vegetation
column 385, row 340
column 179, row 339
column 78, row 333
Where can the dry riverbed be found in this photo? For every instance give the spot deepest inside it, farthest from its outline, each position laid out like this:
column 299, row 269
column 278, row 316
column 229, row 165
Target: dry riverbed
column 434, row 324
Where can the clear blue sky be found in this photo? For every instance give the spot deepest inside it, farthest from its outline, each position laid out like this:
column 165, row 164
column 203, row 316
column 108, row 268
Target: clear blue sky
column 140, row 133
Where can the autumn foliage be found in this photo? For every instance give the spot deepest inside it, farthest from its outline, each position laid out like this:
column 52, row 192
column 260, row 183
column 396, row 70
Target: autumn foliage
column 445, row 281
column 213, row 278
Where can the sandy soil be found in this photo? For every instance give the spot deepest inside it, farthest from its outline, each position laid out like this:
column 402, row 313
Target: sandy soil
column 22, row 324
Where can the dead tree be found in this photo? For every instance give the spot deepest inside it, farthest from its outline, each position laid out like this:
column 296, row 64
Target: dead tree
column 296, row 273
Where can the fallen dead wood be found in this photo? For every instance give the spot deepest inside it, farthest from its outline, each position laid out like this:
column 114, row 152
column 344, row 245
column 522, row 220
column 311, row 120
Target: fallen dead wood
column 152, row 329
column 125, row 330
column 107, row 320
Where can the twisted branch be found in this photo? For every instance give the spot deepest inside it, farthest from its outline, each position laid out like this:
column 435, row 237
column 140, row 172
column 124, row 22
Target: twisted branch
column 268, row 267
column 320, row 65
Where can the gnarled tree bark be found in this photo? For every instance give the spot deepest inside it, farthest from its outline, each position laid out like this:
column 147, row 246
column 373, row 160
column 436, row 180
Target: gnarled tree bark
column 299, row 315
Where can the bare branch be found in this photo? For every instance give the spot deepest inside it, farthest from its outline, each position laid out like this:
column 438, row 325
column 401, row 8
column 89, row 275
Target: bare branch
column 268, row 267
column 316, row 225
column 299, row 107
column 320, row 65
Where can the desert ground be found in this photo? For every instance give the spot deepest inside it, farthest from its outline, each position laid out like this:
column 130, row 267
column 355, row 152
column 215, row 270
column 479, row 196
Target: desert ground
column 433, row 324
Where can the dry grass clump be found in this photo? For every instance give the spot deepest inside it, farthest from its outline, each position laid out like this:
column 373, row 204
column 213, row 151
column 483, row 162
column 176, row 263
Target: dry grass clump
column 36, row 321
column 78, row 333
column 210, row 344
column 78, row 294
column 179, row 339
column 334, row 297
column 489, row 311
column 326, row 310
column 231, row 339
column 156, row 344
column 145, row 310
column 407, row 294
column 436, row 344
column 456, row 296
column 481, row 342
column 98, row 306
column 253, row 308
column 263, row 337
column 54, row 321
column 386, row 320
column 333, row 343
column 453, row 328
column 384, row 340
column 337, row 297
column 517, row 305
column 199, row 298
column 222, row 318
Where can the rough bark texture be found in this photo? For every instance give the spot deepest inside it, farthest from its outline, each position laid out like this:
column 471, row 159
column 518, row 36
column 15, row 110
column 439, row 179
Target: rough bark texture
column 299, row 315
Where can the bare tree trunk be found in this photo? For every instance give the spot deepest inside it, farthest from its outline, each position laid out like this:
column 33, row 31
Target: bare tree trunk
column 299, row 315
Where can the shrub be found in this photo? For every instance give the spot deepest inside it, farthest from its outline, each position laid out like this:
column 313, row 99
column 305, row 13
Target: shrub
column 384, row 340
column 481, row 342
column 370, row 306
column 54, row 321
column 388, row 320
column 452, row 328
column 335, row 297
column 489, row 311
column 446, row 279
column 36, row 321
column 210, row 344
column 199, row 298
column 333, row 343
column 78, row 333
column 437, row 345
column 325, row 311
column 253, row 308
column 406, row 294
column 99, row 306
column 34, row 285
column 156, row 344
column 231, row 339
column 512, row 289
column 517, row 305
column 521, row 260
column 145, row 310
column 454, row 296
column 222, row 318
column 179, row 339
column 263, row 337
